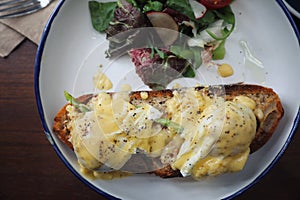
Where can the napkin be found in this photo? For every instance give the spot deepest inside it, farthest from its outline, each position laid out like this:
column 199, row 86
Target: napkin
column 14, row 30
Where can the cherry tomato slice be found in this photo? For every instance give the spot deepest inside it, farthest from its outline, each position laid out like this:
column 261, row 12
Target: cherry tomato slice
column 215, row 4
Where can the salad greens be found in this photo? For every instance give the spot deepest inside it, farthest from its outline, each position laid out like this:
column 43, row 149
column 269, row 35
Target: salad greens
column 98, row 10
column 219, row 52
column 207, row 33
column 103, row 12
column 183, row 6
column 153, row 6
column 192, row 54
column 158, row 67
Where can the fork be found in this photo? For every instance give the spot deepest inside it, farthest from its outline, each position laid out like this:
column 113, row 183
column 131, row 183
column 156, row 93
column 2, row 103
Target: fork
column 16, row 8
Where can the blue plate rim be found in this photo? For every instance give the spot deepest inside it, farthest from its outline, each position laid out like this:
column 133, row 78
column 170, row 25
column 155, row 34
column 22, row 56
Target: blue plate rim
column 37, row 67
column 295, row 123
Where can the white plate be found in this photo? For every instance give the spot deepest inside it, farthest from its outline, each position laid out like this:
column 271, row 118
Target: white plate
column 68, row 45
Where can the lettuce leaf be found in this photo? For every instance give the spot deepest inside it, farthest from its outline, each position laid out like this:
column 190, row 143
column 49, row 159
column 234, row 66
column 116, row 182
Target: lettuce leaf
column 219, row 52
column 182, row 6
column 153, row 6
column 101, row 14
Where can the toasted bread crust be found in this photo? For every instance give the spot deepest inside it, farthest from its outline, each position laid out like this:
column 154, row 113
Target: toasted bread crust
column 266, row 100
column 61, row 120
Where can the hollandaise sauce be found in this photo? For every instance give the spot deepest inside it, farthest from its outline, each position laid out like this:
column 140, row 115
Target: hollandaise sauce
column 101, row 81
column 214, row 136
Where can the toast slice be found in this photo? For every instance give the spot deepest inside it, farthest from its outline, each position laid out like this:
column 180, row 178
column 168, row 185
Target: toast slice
column 268, row 106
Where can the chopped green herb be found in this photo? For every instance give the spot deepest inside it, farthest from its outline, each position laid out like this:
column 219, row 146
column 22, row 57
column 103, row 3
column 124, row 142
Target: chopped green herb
column 82, row 107
column 169, row 124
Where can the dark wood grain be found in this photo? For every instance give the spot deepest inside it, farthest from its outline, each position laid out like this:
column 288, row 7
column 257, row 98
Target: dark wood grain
column 30, row 169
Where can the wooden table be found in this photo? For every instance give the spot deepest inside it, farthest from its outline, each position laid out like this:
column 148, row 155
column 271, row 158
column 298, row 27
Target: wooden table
column 30, row 169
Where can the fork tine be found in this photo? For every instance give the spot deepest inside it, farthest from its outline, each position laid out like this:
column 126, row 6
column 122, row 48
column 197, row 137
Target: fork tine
column 15, row 8
column 10, row 2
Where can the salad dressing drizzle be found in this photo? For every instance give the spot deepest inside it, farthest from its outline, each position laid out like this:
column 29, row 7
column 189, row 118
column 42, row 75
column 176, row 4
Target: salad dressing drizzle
column 253, row 66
